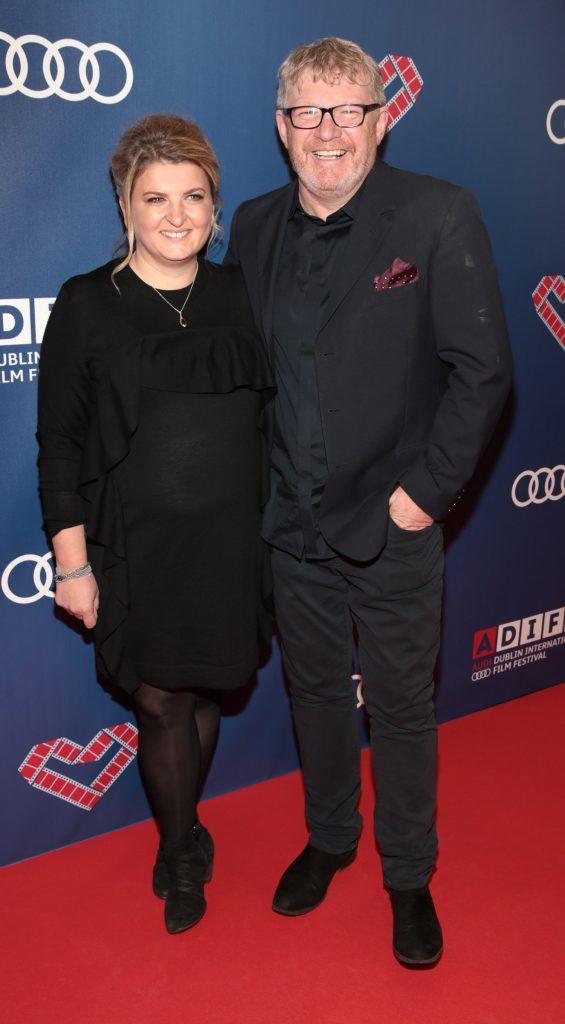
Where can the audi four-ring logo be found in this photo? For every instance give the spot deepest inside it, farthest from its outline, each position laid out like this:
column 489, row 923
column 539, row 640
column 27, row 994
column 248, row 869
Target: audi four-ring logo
column 533, row 487
column 482, row 673
column 42, row 578
column 88, row 69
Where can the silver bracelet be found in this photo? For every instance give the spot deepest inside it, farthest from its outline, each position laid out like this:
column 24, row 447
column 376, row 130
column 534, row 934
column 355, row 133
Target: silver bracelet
column 74, row 574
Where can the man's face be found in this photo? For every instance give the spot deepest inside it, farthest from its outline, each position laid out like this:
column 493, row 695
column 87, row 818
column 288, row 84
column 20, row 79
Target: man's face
column 331, row 162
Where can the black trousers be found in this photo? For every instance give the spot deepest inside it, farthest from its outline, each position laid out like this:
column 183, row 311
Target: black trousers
column 395, row 603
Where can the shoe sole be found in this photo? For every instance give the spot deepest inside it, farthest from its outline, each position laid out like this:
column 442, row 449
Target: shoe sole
column 297, row 913
column 306, row 910
column 417, row 963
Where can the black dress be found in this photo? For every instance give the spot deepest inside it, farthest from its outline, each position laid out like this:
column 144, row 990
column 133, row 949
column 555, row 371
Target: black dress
column 150, row 436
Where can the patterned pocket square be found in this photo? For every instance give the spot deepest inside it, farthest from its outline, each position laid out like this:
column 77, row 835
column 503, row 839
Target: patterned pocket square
column 398, row 273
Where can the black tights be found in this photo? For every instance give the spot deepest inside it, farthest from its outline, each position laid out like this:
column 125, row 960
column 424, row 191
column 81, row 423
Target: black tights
column 178, row 731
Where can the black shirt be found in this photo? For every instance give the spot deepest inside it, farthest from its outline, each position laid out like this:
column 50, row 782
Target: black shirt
column 311, row 251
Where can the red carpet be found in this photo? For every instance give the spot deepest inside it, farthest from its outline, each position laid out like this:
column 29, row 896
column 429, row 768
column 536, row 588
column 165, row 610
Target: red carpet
column 84, row 941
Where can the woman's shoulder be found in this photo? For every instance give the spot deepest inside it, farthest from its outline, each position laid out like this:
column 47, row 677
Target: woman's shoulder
column 91, row 286
column 226, row 286
column 85, row 306
column 224, row 275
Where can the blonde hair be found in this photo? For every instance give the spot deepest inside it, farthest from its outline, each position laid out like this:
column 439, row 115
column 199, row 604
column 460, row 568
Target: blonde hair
column 160, row 137
column 331, row 59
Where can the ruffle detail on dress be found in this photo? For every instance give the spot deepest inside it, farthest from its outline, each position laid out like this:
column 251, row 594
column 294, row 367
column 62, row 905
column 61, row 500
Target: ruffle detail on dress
column 107, row 445
column 213, row 360
column 217, row 360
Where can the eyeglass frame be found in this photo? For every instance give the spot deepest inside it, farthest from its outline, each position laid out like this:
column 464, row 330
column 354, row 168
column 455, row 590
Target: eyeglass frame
column 366, row 107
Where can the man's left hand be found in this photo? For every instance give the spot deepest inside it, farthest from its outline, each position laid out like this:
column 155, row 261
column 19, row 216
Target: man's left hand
column 406, row 513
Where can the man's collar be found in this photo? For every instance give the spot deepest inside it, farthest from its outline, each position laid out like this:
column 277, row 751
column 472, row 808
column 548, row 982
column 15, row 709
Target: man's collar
column 350, row 208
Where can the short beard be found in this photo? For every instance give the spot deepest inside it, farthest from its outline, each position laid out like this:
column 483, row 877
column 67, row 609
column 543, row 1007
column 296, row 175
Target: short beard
column 347, row 185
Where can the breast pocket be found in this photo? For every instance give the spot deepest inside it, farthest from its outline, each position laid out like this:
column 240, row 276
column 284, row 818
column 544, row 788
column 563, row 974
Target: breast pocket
column 408, row 294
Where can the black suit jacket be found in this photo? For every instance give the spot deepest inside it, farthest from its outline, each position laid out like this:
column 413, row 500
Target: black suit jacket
column 411, row 379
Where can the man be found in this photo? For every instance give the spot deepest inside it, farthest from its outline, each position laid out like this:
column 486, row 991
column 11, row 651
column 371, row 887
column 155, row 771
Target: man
column 377, row 295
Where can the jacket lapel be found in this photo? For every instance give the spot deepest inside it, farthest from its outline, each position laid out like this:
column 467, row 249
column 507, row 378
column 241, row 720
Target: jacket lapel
column 270, row 235
column 370, row 227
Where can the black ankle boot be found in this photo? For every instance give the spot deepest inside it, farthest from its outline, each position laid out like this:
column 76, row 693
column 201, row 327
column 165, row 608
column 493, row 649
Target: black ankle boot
column 305, row 882
column 417, row 938
column 161, row 880
column 189, row 868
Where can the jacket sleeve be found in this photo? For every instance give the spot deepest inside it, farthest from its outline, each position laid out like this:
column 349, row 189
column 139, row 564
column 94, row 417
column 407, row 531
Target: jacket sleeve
column 472, row 342
column 64, row 412
column 231, row 257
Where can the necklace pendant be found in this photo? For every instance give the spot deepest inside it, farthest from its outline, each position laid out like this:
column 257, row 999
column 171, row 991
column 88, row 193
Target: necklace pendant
column 182, row 319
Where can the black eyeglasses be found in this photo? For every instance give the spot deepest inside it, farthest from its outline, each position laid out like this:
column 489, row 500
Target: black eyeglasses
column 345, row 115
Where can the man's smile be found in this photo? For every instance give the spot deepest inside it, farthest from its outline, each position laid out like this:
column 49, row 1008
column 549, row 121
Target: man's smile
column 329, row 154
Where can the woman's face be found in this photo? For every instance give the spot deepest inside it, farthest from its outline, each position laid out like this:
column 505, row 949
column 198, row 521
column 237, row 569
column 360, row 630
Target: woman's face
column 171, row 211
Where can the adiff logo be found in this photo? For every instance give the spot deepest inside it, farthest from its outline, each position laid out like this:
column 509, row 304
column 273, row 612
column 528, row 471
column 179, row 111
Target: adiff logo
column 517, row 643
column 22, row 321
column 484, row 642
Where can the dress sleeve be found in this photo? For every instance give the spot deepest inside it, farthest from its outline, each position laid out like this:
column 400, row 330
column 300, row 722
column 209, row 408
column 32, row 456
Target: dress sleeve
column 64, row 413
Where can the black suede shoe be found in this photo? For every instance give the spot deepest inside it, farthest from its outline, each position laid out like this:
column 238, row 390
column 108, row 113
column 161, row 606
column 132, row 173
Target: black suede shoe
column 160, row 870
column 189, row 868
column 417, row 939
column 305, row 883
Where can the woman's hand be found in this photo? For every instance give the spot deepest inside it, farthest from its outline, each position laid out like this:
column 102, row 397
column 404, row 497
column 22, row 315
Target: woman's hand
column 79, row 597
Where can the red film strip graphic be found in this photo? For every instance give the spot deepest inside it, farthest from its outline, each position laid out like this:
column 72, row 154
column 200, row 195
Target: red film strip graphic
column 551, row 284
column 404, row 68
column 33, row 769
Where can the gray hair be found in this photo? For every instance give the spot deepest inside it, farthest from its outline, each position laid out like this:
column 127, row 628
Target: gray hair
column 331, row 59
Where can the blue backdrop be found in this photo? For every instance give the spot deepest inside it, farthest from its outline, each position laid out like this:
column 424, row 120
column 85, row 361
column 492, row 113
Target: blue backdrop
column 479, row 101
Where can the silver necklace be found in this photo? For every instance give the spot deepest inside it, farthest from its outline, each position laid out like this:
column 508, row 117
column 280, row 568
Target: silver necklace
column 182, row 320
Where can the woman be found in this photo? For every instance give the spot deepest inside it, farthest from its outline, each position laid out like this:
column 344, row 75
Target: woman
column 152, row 383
